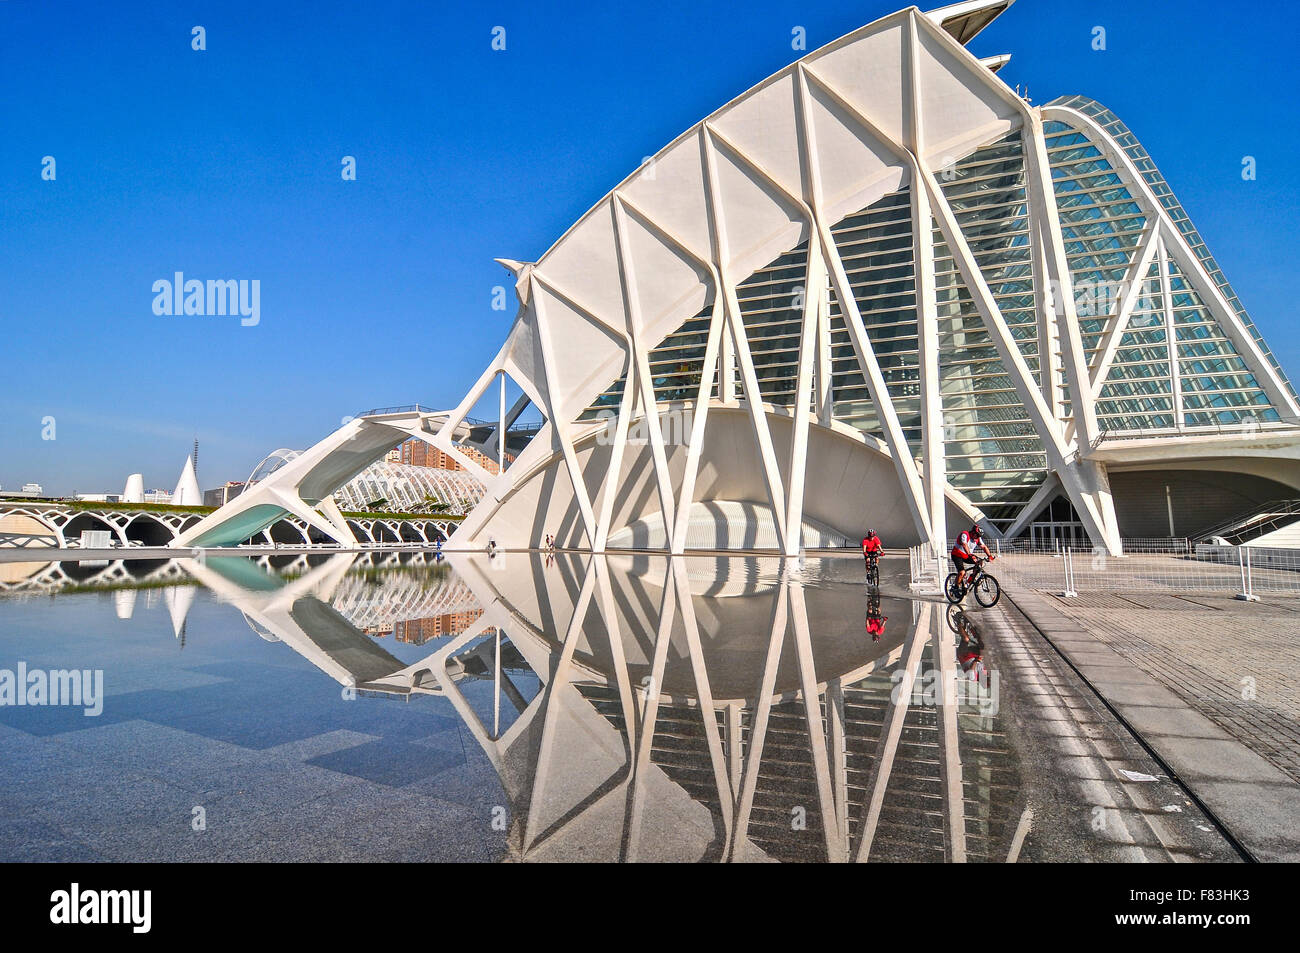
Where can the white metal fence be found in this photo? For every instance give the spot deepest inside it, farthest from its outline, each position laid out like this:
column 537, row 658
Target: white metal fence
column 1168, row 565
column 1243, row 570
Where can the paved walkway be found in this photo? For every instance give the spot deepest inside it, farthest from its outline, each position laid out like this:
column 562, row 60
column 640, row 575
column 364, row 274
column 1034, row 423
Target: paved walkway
column 1236, row 663
column 1173, row 667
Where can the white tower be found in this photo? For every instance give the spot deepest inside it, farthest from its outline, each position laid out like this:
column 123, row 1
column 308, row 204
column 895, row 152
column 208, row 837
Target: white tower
column 134, row 492
column 187, row 491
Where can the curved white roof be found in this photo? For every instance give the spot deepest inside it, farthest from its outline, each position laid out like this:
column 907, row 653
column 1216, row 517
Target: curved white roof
column 737, row 189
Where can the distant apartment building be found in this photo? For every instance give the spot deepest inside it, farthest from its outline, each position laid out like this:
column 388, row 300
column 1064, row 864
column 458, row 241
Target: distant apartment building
column 222, row 495
column 33, row 489
column 158, row 496
column 418, row 453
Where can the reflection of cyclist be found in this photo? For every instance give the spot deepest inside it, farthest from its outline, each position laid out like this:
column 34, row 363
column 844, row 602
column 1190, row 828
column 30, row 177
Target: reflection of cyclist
column 963, row 551
column 970, row 647
column 872, row 547
column 875, row 621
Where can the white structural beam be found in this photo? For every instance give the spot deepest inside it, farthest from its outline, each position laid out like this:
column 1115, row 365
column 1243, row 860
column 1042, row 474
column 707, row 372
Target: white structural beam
column 739, row 339
column 803, row 398
column 563, row 431
column 863, row 350
column 1086, row 483
column 882, row 765
column 626, row 410
column 651, row 697
column 704, row 697
column 1051, row 367
column 1047, row 426
column 641, row 364
column 950, row 768
column 816, row 726
column 1171, row 336
column 1134, row 282
column 934, row 456
column 557, row 680
column 762, row 713
column 709, row 371
column 1044, row 214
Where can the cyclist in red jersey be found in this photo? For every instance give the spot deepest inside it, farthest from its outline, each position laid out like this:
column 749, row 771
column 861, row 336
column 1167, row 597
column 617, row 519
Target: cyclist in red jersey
column 875, row 621
column 970, row 649
column 872, row 547
column 963, row 551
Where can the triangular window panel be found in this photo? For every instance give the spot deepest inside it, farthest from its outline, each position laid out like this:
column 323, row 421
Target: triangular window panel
column 1101, row 225
column 479, row 438
column 675, row 366
column 1138, row 392
column 1218, row 385
column 772, row 308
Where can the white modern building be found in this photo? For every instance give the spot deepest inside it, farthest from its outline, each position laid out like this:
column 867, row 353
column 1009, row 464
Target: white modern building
column 187, row 492
column 391, row 485
column 878, row 289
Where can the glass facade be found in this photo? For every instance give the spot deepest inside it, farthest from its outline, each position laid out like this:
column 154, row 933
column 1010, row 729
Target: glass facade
column 1173, row 367
column 1122, row 135
column 1204, row 382
column 994, row 455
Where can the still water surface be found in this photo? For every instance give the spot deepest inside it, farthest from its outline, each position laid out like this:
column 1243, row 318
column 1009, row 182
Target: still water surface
column 533, row 707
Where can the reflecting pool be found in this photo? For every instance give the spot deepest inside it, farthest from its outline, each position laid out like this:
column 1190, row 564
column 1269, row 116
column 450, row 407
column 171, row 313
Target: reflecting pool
column 529, row 706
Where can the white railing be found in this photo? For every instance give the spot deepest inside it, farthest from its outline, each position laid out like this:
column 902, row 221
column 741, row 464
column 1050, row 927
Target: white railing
column 927, row 567
column 1242, row 570
column 1056, row 547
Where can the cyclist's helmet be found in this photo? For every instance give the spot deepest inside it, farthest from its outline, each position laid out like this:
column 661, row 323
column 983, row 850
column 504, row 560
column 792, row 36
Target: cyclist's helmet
column 976, row 532
column 871, row 533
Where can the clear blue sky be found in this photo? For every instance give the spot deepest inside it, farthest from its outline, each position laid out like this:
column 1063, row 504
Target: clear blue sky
column 226, row 164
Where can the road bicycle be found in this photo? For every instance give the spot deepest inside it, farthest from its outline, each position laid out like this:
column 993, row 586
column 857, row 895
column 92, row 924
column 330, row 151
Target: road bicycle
column 986, row 588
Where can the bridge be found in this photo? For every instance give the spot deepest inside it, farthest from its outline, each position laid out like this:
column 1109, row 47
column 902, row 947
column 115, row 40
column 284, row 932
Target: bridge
column 59, row 525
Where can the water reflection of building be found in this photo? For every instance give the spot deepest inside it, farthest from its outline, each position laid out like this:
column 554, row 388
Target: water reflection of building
column 785, row 736
column 419, row 631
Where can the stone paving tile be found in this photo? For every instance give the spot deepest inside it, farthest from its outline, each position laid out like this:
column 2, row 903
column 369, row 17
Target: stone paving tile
column 1213, row 656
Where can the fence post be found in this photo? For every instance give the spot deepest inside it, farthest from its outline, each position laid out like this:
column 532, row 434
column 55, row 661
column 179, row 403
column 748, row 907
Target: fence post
column 1247, row 589
column 1068, row 564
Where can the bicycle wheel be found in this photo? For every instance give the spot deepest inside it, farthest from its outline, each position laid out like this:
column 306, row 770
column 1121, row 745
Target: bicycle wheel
column 873, row 576
column 987, row 591
column 952, row 590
